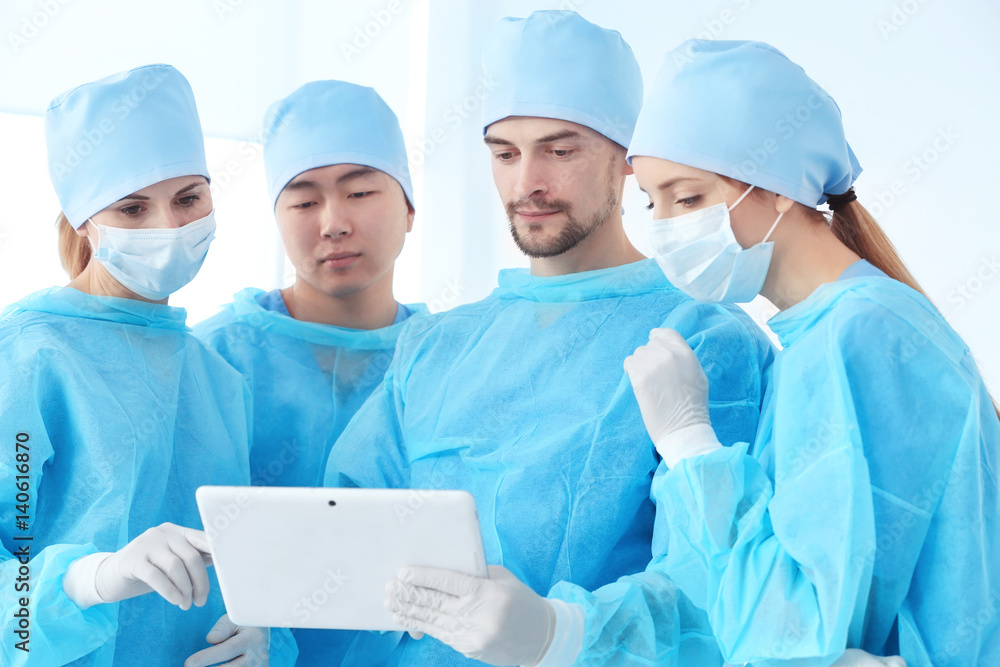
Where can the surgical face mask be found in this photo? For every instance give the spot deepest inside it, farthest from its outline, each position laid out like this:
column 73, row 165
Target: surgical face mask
column 155, row 263
column 699, row 254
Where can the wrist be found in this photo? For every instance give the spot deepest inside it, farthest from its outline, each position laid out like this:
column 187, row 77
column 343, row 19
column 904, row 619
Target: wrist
column 686, row 442
column 566, row 638
column 80, row 580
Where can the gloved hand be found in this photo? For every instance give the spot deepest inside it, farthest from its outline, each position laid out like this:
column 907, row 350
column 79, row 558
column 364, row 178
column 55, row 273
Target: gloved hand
column 168, row 559
column 672, row 391
column 498, row 620
column 857, row 658
column 247, row 647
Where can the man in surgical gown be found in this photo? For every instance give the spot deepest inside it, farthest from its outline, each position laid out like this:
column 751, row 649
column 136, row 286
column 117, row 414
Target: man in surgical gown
column 521, row 398
column 313, row 352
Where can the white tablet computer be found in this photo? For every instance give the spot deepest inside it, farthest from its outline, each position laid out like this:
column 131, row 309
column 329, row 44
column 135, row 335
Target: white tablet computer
column 321, row 557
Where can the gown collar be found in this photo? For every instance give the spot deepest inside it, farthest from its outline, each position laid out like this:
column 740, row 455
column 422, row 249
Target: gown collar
column 633, row 279
column 74, row 303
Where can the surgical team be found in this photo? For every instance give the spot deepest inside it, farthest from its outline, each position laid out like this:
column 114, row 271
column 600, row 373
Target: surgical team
column 656, row 483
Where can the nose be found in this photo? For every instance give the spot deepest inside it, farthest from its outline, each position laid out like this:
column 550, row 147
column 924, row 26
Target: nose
column 333, row 223
column 531, row 180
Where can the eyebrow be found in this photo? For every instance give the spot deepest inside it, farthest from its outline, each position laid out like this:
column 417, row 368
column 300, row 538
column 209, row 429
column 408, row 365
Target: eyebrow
column 354, row 173
column 547, row 139
column 145, row 198
column 673, row 182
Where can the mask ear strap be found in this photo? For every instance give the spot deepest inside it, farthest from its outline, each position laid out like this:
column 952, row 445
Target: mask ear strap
column 772, row 227
column 742, row 197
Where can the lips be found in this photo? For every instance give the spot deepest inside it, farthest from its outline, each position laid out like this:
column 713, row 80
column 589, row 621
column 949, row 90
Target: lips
column 340, row 255
column 536, row 214
column 338, row 260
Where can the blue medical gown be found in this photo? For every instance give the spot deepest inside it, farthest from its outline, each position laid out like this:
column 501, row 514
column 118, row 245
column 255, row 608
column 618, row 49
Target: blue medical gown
column 307, row 381
column 865, row 513
column 126, row 414
column 521, row 400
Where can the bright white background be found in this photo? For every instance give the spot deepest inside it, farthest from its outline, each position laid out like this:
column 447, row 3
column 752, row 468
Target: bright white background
column 918, row 82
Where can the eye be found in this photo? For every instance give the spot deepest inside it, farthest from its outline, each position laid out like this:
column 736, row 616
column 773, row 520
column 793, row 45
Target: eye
column 561, row 152
column 688, row 202
column 131, row 211
column 359, row 195
column 504, row 157
column 304, row 205
column 189, row 201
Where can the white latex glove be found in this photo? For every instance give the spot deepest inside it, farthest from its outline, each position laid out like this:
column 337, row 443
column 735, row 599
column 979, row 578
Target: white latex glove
column 857, row 658
column 170, row 560
column 672, row 391
column 234, row 645
column 498, row 620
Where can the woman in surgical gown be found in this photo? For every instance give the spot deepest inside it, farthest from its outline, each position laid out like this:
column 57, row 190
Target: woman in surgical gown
column 113, row 414
column 865, row 512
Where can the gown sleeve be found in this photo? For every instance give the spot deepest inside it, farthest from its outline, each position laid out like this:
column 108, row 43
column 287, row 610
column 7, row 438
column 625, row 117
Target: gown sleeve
column 645, row 618
column 781, row 552
column 56, row 630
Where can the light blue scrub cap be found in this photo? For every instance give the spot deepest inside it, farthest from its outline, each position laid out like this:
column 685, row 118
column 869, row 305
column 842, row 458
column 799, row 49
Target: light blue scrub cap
column 332, row 122
column 114, row 136
column 556, row 64
column 744, row 110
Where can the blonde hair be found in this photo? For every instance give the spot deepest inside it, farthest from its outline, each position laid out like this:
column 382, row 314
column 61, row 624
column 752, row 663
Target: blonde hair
column 74, row 250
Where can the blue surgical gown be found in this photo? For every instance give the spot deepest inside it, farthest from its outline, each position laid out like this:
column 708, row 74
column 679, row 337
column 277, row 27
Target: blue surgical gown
column 124, row 414
column 521, row 400
column 307, row 381
column 865, row 512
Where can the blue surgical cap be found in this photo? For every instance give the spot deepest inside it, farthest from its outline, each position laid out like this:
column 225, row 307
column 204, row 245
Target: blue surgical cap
column 111, row 137
column 332, row 122
column 744, row 110
column 556, row 64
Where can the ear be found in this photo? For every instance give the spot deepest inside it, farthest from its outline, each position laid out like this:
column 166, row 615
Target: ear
column 84, row 229
column 783, row 204
column 627, row 169
column 410, row 213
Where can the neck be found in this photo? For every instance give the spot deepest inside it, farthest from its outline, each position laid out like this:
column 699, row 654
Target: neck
column 808, row 255
column 606, row 247
column 371, row 308
column 96, row 281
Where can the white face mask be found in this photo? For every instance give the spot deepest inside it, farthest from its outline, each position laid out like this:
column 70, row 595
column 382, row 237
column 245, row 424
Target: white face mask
column 155, row 263
column 699, row 254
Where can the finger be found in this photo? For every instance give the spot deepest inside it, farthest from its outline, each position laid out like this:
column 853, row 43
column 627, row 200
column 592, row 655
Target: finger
column 222, row 630
column 895, row 661
column 425, row 597
column 196, row 538
column 175, row 569
column 413, row 625
column 446, row 581
column 415, row 634
column 666, row 336
column 161, row 584
column 627, row 364
column 444, row 623
column 194, row 566
column 213, row 655
column 197, row 573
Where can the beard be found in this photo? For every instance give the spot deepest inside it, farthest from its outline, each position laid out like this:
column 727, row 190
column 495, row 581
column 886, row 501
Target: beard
column 574, row 231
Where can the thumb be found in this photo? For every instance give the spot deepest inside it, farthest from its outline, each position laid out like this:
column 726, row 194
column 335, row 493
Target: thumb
column 222, row 630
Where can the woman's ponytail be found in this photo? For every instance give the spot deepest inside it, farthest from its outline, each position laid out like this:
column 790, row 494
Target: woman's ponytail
column 858, row 230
